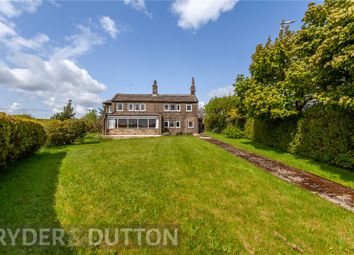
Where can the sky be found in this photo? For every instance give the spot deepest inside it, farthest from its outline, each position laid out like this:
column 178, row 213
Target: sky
column 52, row 51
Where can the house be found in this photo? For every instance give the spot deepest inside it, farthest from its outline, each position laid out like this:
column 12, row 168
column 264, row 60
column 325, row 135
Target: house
column 152, row 114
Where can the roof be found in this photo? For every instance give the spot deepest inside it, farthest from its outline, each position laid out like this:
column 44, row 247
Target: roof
column 182, row 98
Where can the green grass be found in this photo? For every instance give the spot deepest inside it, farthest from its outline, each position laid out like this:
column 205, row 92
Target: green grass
column 222, row 204
column 336, row 174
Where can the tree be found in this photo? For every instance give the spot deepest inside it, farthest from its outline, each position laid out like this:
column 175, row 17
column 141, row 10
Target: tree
column 92, row 121
column 66, row 114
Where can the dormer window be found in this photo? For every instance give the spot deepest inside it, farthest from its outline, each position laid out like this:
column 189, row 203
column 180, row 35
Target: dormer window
column 109, row 109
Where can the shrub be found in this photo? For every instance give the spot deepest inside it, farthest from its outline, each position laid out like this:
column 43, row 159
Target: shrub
column 233, row 132
column 65, row 132
column 326, row 134
column 322, row 133
column 216, row 130
column 19, row 137
column 275, row 133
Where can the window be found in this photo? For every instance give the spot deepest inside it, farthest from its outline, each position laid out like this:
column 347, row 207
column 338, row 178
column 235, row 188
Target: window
column 172, row 107
column 142, row 107
column 131, row 107
column 109, row 109
column 188, row 107
column 166, row 124
column 152, row 123
column 112, row 124
column 137, row 107
column 119, row 107
column 178, row 107
column 190, row 124
column 172, row 124
column 143, row 123
column 166, row 107
column 178, row 124
column 122, row 123
column 133, row 123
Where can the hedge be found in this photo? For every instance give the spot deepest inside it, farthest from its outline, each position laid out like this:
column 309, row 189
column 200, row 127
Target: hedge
column 326, row 135
column 19, row 137
column 65, row 132
column 322, row 133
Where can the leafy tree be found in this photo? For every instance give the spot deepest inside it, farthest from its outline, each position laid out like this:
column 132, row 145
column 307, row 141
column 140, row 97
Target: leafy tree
column 66, row 114
column 326, row 45
column 92, row 121
column 218, row 112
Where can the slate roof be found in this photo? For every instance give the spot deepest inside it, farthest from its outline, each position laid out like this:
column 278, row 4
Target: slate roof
column 181, row 98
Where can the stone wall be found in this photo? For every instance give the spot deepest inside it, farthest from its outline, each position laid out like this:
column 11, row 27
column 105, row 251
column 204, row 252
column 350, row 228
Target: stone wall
column 134, row 131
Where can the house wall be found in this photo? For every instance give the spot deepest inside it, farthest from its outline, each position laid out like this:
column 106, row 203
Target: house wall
column 153, row 108
column 134, row 131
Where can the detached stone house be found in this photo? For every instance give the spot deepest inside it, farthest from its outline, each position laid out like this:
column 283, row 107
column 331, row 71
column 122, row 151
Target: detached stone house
column 152, row 114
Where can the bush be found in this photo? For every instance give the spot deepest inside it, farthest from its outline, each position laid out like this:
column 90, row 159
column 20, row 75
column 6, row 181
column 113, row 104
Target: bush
column 326, row 134
column 65, row 132
column 233, row 132
column 216, row 130
column 322, row 133
column 275, row 133
column 19, row 137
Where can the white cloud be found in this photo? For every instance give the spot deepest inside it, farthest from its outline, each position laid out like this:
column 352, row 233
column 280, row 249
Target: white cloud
column 138, row 5
column 195, row 13
column 54, row 80
column 109, row 26
column 14, row 107
column 12, row 40
column 14, row 8
column 223, row 91
column 49, row 74
column 80, row 43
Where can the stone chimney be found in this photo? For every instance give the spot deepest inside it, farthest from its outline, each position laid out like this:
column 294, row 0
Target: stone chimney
column 154, row 88
column 193, row 87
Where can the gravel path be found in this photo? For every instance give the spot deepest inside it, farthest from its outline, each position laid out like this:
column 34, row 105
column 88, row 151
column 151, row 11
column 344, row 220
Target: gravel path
column 332, row 191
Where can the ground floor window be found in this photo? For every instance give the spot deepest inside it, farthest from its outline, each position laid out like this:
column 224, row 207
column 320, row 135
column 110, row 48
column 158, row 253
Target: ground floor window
column 172, row 124
column 111, row 124
column 122, row 123
column 132, row 122
column 190, row 124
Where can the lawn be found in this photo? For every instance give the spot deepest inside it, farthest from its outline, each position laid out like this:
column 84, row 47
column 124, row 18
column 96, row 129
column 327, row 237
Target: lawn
column 222, row 204
column 336, row 174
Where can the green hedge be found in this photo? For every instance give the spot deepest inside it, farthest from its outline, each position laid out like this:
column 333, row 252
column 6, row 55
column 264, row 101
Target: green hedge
column 65, row 132
column 19, row 137
column 322, row 133
column 326, row 135
column 274, row 133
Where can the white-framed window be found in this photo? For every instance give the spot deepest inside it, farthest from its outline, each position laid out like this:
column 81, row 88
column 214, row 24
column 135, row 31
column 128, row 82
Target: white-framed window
column 172, row 124
column 109, row 109
column 137, row 107
column 119, row 107
column 112, row 123
column 172, row 108
column 189, row 108
column 190, row 124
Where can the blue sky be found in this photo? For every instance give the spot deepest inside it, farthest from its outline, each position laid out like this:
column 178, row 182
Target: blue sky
column 51, row 51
